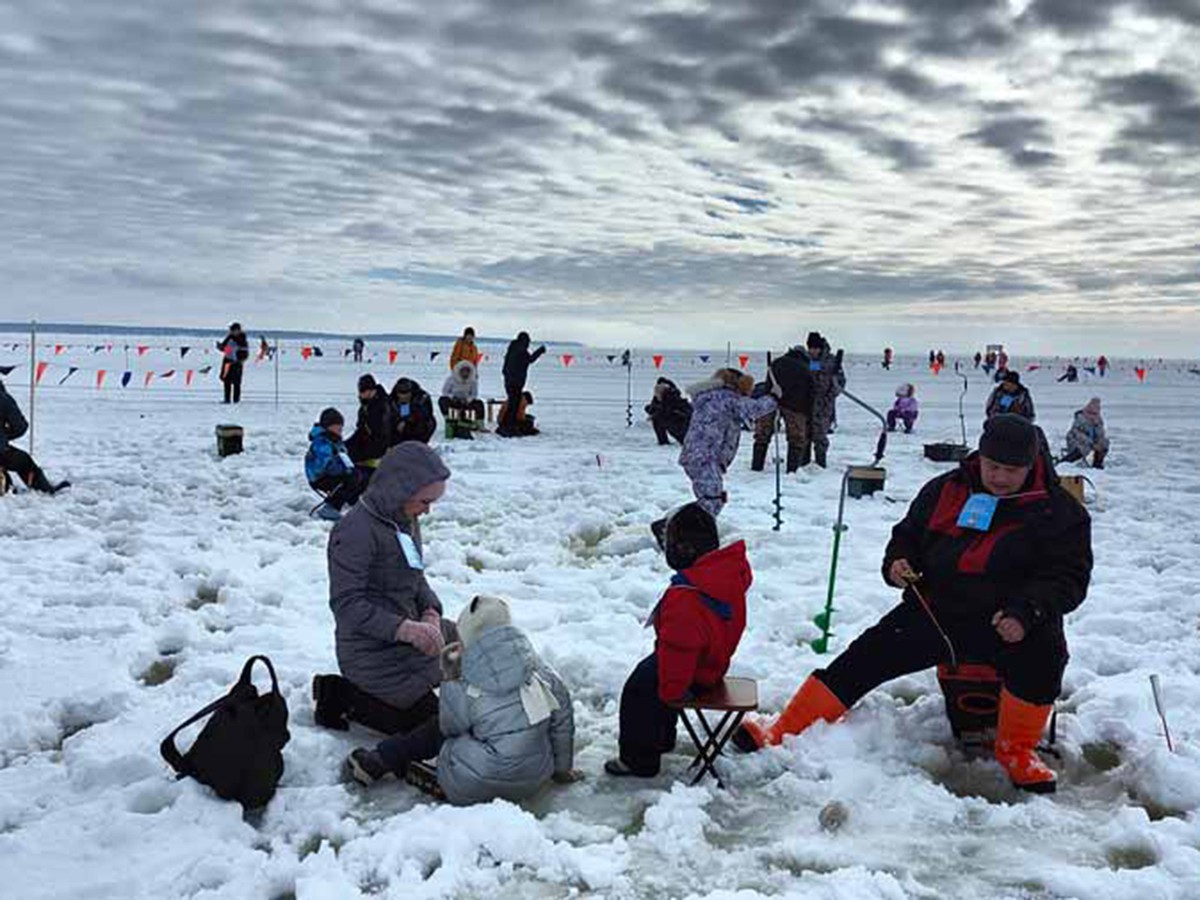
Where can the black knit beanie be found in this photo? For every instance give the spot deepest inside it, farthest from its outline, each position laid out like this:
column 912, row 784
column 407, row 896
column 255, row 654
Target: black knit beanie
column 814, row 339
column 691, row 533
column 1009, row 440
column 330, row 417
column 367, row 383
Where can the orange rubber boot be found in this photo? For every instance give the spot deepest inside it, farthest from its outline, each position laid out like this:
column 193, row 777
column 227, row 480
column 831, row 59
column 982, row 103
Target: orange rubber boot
column 813, row 702
column 1017, row 734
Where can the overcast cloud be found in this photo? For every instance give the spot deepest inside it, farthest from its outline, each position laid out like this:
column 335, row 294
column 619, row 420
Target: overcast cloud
column 899, row 171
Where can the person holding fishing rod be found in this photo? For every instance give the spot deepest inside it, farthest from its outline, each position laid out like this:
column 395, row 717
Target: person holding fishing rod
column 990, row 558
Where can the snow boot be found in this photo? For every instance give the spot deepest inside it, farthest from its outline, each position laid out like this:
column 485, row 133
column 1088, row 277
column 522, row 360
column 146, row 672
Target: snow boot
column 820, row 456
column 423, row 777
column 328, row 711
column 1018, row 731
column 813, row 702
column 795, row 459
column 366, row 767
column 759, row 461
column 618, row 769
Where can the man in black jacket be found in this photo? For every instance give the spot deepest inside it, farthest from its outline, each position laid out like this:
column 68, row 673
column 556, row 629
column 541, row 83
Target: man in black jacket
column 372, row 430
column 990, row 558
column 669, row 412
column 235, row 350
column 517, row 361
column 411, row 413
column 15, row 460
column 793, row 374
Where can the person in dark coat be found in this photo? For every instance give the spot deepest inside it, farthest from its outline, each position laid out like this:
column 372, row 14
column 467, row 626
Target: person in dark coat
column 697, row 626
column 517, row 360
column 990, row 558
column 1069, row 375
column 1010, row 396
column 235, row 350
column 669, row 412
column 828, row 379
column 793, row 373
column 359, row 348
column 390, row 630
column 373, row 428
column 15, row 460
column 412, row 417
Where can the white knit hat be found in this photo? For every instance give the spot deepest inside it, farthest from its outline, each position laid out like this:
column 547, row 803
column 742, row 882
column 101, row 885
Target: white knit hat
column 480, row 615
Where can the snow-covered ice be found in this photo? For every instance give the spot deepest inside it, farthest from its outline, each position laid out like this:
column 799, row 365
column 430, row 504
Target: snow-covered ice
column 132, row 600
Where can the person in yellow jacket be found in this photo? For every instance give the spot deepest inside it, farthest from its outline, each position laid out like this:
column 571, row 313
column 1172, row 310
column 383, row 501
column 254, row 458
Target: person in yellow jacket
column 464, row 348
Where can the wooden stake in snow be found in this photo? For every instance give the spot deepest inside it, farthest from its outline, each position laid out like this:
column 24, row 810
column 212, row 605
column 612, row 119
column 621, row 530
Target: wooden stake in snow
column 1156, row 689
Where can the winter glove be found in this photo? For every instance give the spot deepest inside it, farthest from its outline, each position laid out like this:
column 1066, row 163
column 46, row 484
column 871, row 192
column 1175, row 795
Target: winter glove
column 451, row 662
column 425, row 637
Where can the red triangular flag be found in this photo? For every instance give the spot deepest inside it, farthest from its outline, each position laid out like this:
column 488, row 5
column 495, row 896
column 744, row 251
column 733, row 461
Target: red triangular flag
column 392, row 354
column 658, row 360
column 58, row 348
column 149, row 378
column 142, row 350
column 187, row 378
column 40, row 371
column 305, row 352
column 100, row 378
column 567, row 359
column 744, row 360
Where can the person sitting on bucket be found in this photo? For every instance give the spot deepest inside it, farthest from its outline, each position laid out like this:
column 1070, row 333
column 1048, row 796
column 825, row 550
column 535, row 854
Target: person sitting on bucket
column 697, row 626
column 990, row 558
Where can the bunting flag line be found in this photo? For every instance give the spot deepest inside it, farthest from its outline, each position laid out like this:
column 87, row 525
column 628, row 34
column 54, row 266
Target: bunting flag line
column 141, row 350
column 658, row 361
column 6, row 370
column 434, row 354
column 125, row 379
column 100, row 373
column 70, row 371
column 40, row 371
column 183, row 351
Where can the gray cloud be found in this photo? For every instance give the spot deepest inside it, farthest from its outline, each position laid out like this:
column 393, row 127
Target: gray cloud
column 1014, row 137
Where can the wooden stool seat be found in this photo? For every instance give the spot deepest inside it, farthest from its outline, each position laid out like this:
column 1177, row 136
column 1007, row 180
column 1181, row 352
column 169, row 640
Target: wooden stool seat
column 732, row 698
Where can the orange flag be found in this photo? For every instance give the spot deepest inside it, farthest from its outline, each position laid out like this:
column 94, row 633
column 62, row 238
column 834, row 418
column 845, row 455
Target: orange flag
column 100, row 378
column 744, row 360
column 149, row 378
column 40, row 371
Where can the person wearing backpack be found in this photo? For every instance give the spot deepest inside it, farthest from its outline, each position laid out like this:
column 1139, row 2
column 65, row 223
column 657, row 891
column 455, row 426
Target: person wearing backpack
column 505, row 727
column 389, row 622
column 328, row 466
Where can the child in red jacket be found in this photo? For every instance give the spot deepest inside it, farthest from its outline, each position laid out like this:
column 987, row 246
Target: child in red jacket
column 697, row 624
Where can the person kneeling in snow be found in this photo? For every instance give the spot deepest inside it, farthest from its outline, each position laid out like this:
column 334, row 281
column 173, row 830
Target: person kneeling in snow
column 719, row 408
column 14, row 459
column 389, row 620
column 328, row 466
column 524, row 425
column 669, row 412
column 697, row 626
column 905, row 409
column 1087, row 435
column 990, row 559
column 505, row 726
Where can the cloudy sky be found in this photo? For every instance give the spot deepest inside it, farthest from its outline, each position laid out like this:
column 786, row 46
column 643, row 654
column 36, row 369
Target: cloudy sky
column 659, row 173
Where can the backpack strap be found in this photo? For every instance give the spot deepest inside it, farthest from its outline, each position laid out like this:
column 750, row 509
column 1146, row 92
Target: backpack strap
column 168, row 749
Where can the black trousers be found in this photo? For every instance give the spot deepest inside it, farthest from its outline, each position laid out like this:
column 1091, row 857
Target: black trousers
column 660, row 430
column 339, row 698
column 445, row 404
column 233, row 382
column 422, row 742
column 513, row 392
column 341, row 490
column 17, row 462
column 906, row 641
column 647, row 724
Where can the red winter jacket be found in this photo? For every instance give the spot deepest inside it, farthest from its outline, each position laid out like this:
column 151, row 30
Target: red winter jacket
column 699, row 621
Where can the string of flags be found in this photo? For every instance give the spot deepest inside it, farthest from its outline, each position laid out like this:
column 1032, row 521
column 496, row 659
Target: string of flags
column 101, row 375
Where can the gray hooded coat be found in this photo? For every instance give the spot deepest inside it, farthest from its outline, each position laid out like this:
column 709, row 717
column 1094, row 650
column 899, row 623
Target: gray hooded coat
column 372, row 587
column 491, row 749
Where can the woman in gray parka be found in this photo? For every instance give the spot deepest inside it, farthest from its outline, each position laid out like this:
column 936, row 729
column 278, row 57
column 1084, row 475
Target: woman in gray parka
column 389, row 620
column 506, row 726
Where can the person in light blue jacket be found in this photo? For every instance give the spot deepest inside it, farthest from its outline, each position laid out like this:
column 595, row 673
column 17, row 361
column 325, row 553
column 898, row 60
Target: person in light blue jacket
column 328, row 466
column 505, row 726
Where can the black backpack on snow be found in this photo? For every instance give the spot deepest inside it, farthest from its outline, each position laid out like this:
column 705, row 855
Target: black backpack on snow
column 239, row 752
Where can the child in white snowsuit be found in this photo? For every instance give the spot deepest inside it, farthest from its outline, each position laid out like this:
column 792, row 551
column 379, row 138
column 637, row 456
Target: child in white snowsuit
column 719, row 408
column 505, row 725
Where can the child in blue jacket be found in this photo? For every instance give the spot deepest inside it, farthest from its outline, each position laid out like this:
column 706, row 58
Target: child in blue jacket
column 328, row 467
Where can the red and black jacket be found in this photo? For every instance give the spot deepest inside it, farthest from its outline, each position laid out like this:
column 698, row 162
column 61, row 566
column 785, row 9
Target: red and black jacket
column 1035, row 561
column 699, row 621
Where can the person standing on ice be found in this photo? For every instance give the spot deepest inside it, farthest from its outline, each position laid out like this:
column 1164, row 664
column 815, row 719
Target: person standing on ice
column 505, row 725
column 465, row 350
column 389, row 620
column 793, row 373
column 697, row 626
column 990, row 558
column 517, row 360
column 1087, row 436
column 1010, row 397
column 235, row 350
column 719, row 408
column 14, row 459
column 669, row 411
column 828, row 379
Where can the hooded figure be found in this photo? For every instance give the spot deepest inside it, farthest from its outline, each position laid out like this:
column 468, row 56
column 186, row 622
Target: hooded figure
column 669, row 412
column 389, row 626
column 720, row 406
column 505, row 727
column 461, row 391
column 1012, row 397
column 412, row 416
column 1088, row 436
column 905, row 409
